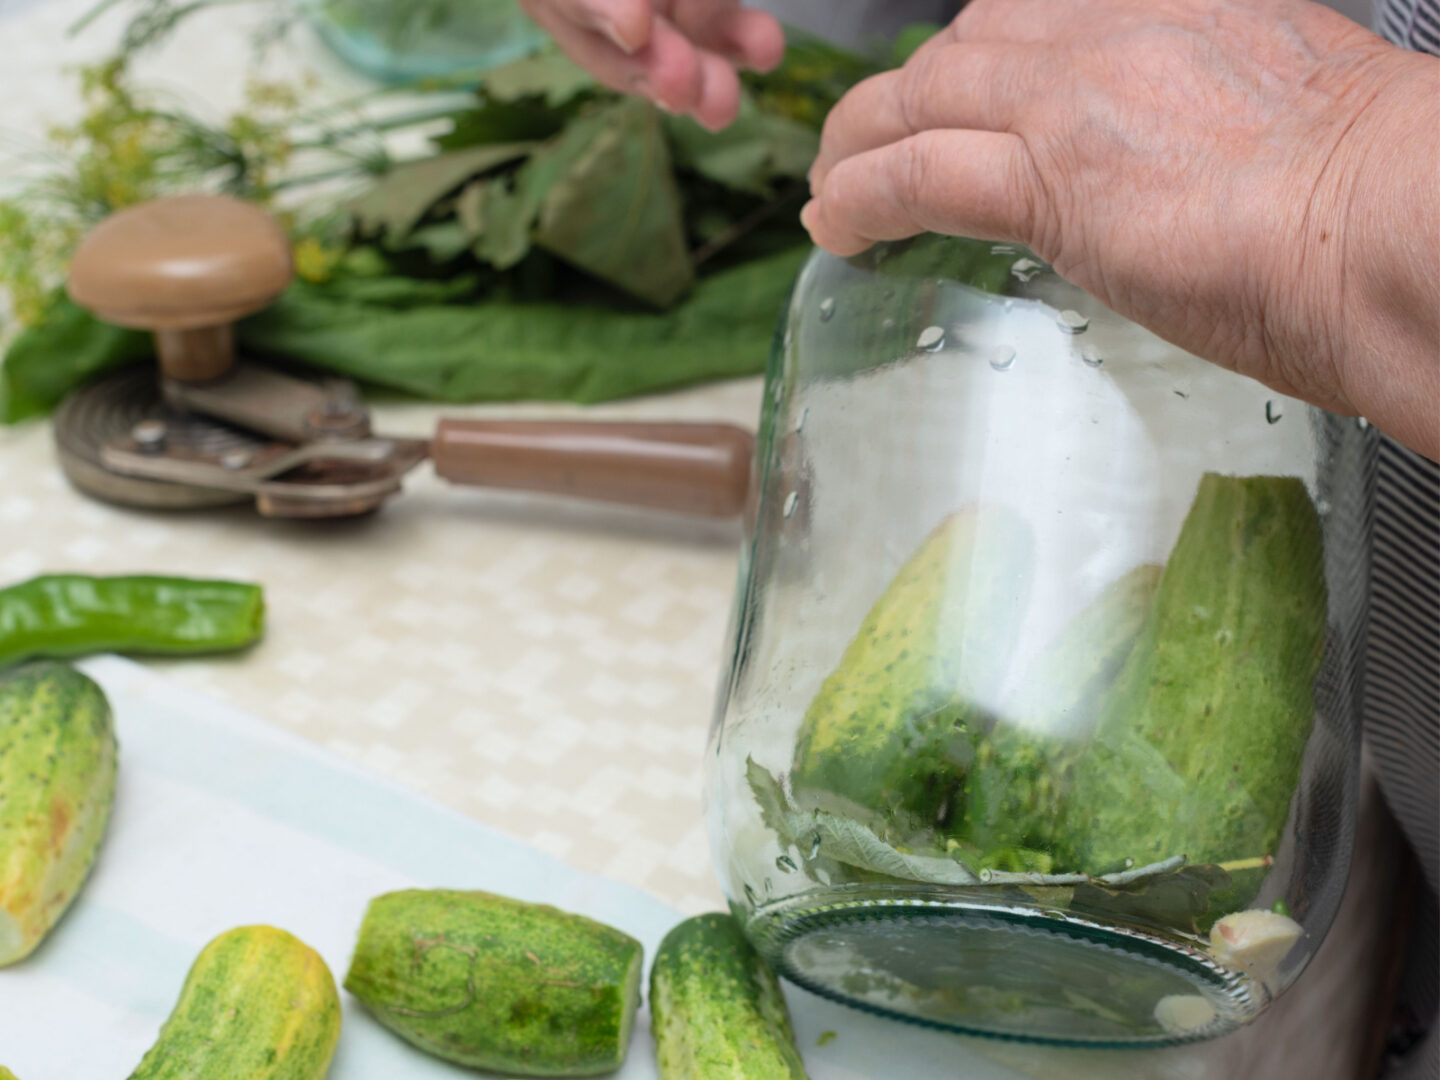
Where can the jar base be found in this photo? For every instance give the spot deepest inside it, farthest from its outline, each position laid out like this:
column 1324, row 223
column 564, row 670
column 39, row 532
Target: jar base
column 1005, row 972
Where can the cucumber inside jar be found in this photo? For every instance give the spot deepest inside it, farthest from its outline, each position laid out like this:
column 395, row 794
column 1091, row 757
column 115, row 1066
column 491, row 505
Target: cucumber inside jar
column 1133, row 786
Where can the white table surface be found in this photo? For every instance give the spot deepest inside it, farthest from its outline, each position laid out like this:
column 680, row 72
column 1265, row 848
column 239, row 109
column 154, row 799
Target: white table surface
column 545, row 668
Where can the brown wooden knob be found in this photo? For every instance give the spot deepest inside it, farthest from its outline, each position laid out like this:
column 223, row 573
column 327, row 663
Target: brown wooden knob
column 185, row 267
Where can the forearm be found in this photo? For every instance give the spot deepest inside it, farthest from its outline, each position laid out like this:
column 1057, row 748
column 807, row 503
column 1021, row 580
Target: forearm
column 1383, row 331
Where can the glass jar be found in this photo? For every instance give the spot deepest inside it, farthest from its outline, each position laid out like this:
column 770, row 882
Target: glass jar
column 403, row 42
column 1040, row 720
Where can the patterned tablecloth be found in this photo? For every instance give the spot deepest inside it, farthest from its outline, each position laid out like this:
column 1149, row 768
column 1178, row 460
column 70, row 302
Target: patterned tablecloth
column 545, row 667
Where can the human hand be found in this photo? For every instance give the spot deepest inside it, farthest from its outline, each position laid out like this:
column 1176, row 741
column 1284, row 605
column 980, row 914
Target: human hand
column 681, row 54
column 1254, row 180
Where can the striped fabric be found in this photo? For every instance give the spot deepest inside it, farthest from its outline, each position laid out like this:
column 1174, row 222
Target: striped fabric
column 1411, row 24
column 1402, row 693
column 1402, row 708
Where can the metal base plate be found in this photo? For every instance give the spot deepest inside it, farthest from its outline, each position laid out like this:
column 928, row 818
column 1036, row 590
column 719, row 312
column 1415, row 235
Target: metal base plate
column 108, row 409
column 200, row 460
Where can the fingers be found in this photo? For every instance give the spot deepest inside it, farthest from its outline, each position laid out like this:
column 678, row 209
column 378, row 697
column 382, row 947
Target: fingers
column 667, row 67
column 964, row 85
column 750, row 39
column 966, row 183
column 719, row 101
column 625, row 23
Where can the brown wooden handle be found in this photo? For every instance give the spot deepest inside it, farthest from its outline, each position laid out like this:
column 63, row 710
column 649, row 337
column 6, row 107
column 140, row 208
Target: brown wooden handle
column 699, row 469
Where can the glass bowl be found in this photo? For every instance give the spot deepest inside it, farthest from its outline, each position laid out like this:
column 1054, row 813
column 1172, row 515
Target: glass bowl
column 405, row 42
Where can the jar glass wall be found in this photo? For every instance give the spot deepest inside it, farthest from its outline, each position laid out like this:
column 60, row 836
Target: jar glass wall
column 1040, row 721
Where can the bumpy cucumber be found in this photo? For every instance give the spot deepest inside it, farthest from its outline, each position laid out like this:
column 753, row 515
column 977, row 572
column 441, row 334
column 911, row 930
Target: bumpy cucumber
column 499, row 984
column 1198, row 745
column 716, row 1007
column 1015, row 795
column 890, row 731
column 258, row 1004
column 57, row 784
column 1063, row 693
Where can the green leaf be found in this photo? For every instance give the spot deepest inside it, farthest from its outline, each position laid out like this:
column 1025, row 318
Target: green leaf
column 500, row 349
column 845, row 840
column 749, row 155
column 396, row 202
column 608, row 202
column 440, row 240
column 530, row 99
column 46, row 361
column 398, row 291
column 853, row 844
column 775, row 809
column 470, row 209
column 548, row 75
column 498, row 214
column 401, row 333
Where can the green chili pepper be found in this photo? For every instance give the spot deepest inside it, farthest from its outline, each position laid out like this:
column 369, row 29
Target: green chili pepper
column 63, row 615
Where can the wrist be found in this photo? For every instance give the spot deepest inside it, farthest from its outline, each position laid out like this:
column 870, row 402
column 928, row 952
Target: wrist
column 1377, row 304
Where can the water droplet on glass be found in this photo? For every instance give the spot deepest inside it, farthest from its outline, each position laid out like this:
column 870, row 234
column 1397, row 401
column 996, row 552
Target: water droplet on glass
column 800, row 423
column 1362, row 423
column 791, row 501
column 1072, row 322
column 1224, row 636
column 1002, row 358
column 827, row 308
column 931, row 338
column 1009, row 304
column 1322, row 506
column 815, row 846
column 887, row 324
column 1002, row 249
column 1091, row 355
column 1272, row 413
column 750, row 896
column 1025, row 269
column 778, row 390
column 786, row 865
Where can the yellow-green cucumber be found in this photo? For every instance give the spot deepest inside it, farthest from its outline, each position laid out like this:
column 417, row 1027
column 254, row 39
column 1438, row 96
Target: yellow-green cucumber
column 258, row 1004
column 1062, row 694
column 6, row 1074
column 716, row 1008
column 1015, row 792
column 888, row 736
column 57, row 784
column 1197, row 747
column 499, row 984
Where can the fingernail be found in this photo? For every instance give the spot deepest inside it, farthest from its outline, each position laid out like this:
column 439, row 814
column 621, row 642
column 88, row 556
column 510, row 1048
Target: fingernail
column 606, row 27
column 807, row 215
column 643, row 87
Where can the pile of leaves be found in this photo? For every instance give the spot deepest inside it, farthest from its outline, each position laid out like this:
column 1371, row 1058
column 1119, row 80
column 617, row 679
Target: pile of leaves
column 560, row 242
